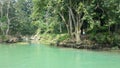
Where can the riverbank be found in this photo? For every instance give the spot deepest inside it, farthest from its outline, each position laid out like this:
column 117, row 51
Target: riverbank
column 87, row 46
column 9, row 39
column 63, row 40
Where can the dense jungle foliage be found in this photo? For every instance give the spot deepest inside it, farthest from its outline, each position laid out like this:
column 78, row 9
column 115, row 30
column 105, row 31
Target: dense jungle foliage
column 73, row 20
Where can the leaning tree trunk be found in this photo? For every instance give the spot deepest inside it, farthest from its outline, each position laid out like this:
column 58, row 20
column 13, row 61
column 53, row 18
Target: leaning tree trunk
column 70, row 24
column 67, row 26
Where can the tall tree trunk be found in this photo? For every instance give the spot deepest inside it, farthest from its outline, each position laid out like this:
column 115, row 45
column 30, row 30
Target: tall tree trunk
column 8, row 20
column 78, row 31
column 1, row 10
column 77, row 25
column 70, row 24
column 1, row 13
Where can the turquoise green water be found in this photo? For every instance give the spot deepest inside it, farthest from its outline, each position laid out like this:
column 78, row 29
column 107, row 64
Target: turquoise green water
column 40, row 56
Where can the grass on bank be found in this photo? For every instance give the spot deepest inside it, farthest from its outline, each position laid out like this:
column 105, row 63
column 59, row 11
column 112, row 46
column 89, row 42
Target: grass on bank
column 53, row 38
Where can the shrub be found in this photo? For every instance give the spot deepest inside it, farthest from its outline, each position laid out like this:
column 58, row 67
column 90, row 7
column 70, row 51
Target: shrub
column 106, row 38
column 64, row 37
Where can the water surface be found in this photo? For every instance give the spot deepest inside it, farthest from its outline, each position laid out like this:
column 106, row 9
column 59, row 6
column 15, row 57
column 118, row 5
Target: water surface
column 42, row 56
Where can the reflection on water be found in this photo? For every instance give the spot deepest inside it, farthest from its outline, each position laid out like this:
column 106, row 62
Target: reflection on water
column 40, row 56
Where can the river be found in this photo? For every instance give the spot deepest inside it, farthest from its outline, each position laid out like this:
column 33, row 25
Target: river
column 43, row 56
